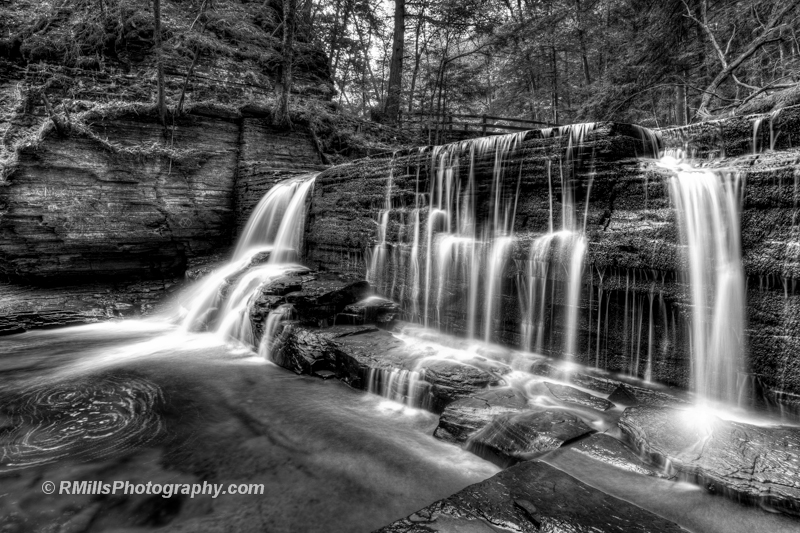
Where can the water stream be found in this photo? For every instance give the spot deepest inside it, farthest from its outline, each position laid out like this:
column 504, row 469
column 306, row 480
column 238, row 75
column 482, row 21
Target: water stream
column 193, row 396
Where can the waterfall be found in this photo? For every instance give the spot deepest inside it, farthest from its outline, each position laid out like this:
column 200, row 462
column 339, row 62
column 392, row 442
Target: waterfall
column 708, row 204
column 570, row 254
column 407, row 387
column 265, row 229
column 377, row 264
column 456, row 252
column 222, row 302
column 271, row 324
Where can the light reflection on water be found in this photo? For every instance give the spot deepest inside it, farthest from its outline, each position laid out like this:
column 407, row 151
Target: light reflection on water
column 223, row 414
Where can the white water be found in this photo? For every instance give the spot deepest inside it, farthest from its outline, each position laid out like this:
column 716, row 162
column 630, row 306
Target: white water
column 222, row 302
column 454, row 250
column 708, row 203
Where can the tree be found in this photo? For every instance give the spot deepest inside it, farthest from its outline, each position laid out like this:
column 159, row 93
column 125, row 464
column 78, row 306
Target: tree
column 769, row 32
column 282, row 117
column 392, row 108
column 162, row 110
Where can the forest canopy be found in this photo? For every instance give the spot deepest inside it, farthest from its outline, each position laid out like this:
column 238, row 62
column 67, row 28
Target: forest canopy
column 653, row 62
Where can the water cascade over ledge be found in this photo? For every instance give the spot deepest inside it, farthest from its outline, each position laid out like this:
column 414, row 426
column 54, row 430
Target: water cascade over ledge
column 708, row 204
column 268, row 248
column 461, row 248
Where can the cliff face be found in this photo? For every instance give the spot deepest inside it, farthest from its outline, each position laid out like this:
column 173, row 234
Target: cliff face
column 124, row 203
column 75, row 208
column 634, row 309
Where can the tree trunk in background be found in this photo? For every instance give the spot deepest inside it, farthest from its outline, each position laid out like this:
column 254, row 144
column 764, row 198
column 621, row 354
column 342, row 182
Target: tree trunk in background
column 162, row 112
column 392, row 106
column 555, row 85
column 417, row 58
column 582, row 42
column 680, row 105
column 282, row 117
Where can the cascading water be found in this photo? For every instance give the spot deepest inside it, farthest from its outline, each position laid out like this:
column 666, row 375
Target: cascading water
column 708, row 203
column 378, row 260
column 223, row 301
column 455, row 257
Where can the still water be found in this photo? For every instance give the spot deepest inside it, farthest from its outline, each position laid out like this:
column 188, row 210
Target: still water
column 142, row 401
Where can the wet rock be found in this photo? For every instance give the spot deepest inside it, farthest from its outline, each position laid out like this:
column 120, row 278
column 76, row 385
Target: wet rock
column 452, row 380
column 322, row 298
column 303, row 351
column 381, row 350
column 609, row 450
column 618, row 391
column 23, row 308
column 753, row 464
column 624, row 395
column 315, row 298
column 199, row 267
column 465, row 417
column 513, row 437
column 355, row 353
column 531, row 497
column 587, row 381
column 631, row 395
column 569, row 394
column 372, row 310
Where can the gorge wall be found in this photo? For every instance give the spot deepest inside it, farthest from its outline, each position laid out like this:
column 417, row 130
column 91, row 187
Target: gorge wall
column 634, row 303
column 120, row 204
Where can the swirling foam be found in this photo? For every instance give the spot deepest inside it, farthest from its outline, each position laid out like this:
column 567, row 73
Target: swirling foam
column 78, row 419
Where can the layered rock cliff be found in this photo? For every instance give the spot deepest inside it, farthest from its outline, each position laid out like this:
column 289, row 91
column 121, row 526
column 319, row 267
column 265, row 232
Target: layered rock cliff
column 634, row 305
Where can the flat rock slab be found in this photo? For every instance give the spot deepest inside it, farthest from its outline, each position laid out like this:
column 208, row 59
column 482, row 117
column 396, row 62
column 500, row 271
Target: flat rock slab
column 581, row 379
column 355, row 352
column 753, row 464
column 321, row 299
column 371, row 310
column 568, row 394
column 465, row 417
column 620, row 392
column 631, row 395
column 314, row 301
column 514, row 437
column 609, row 450
column 532, row 497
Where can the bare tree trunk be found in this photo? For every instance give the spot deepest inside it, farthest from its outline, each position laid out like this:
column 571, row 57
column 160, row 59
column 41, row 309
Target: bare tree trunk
column 768, row 34
column 680, row 105
column 555, row 84
column 162, row 111
column 282, row 117
column 392, row 107
column 417, row 57
column 582, row 43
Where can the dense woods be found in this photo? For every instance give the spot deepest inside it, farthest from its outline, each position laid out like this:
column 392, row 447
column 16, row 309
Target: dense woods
column 652, row 62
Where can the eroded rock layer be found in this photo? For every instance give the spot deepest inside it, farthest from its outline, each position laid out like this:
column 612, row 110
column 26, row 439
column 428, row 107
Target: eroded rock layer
column 634, row 306
column 754, row 464
column 531, row 497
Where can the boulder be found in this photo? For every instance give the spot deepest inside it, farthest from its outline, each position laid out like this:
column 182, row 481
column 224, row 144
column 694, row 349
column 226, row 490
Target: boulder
column 568, row 394
column 303, row 351
column 752, row 464
column 321, row 299
column 514, row 437
column 360, row 354
column 372, row 310
column 465, row 417
column 607, row 449
column 531, row 497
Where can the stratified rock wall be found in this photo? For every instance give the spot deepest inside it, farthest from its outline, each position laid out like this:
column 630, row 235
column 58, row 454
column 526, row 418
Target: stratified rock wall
column 268, row 156
column 127, row 203
column 634, row 310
